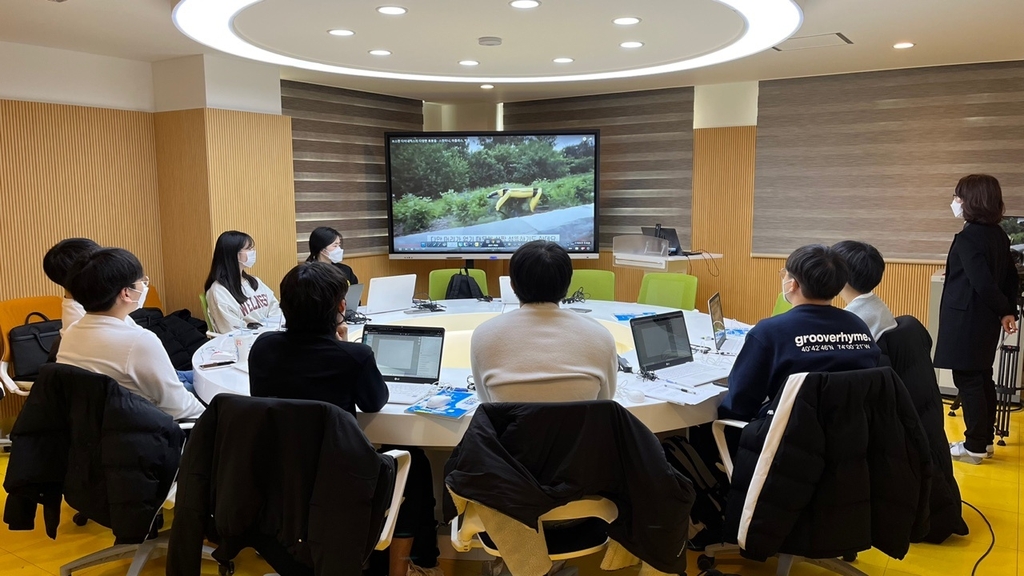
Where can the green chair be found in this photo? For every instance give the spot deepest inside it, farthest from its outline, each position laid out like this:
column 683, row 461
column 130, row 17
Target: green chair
column 669, row 290
column 438, row 284
column 206, row 315
column 596, row 284
column 781, row 306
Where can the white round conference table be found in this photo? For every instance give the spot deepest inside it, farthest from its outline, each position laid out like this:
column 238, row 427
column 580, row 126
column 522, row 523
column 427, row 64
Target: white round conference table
column 393, row 425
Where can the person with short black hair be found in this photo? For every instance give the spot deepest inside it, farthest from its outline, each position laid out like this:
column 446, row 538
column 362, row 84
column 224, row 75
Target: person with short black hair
column 110, row 283
column 328, row 245
column 866, row 267
column 313, row 360
column 979, row 303
column 540, row 352
column 57, row 262
column 812, row 337
column 234, row 297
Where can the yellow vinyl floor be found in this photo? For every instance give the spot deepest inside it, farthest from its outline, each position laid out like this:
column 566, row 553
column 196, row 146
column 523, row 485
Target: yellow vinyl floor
column 995, row 487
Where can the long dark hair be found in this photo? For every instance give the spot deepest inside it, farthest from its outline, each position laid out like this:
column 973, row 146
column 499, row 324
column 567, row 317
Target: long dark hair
column 224, row 268
column 982, row 198
column 321, row 238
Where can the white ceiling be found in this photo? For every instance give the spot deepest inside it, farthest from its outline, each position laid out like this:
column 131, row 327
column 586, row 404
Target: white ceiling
column 435, row 34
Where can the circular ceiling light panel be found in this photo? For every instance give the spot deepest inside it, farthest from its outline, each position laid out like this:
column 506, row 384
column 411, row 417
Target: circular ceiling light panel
column 392, row 10
column 524, row 4
column 254, row 29
column 903, row 45
column 563, row 60
column 626, row 21
column 340, row 32
column 380, row 52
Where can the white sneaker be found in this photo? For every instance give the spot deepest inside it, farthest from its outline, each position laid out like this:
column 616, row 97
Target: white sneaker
column 958, row 452
column 990, row 450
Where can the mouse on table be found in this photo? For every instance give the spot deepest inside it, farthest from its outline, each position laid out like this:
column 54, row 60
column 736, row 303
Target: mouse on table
column 439, row 401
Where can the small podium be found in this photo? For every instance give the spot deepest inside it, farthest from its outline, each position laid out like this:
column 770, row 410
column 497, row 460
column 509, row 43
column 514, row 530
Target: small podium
column 651, row 254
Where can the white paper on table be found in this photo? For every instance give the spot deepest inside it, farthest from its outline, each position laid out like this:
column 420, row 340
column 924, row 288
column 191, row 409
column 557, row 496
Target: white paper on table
column 683, row 395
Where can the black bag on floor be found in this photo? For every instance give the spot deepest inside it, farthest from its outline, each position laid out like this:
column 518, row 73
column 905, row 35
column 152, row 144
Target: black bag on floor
column 709, row 483
column 31, row 344
column 462, row 286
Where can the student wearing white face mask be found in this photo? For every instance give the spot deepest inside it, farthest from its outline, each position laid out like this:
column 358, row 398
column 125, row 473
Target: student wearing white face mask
column 327, row 245
column 234, row 297
column 110, row 284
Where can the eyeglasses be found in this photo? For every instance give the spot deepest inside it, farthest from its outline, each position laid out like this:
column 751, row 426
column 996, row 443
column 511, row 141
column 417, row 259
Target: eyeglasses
column 145, row 281
column 782, row 273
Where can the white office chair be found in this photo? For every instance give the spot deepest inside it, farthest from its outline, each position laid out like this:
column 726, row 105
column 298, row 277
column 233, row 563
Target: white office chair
column 468, row 530
column 786, row 561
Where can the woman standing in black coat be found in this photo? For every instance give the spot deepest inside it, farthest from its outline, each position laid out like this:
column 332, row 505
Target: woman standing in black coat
column 979, row 299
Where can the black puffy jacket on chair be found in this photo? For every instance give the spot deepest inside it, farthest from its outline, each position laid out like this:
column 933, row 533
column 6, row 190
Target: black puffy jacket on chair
column 110, row 453
column 908, row 349
column 294, row 479
column 840, row 464
column 523, row 460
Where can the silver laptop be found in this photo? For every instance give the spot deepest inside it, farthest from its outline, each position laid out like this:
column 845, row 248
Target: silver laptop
column 508, row 295
column 663, row 347
column 391, row 293
column 722, row 343
column 409, row 358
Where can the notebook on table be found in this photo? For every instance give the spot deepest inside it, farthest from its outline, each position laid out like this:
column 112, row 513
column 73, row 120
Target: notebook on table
column 722, row 342
column 409, row 358
column 663, row 347
column 391, row 293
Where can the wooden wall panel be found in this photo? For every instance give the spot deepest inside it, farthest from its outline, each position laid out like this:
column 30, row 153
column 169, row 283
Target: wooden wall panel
column 74, row 171
column 646, row 153
column 252, row 187
column 875, row 156
column 184, row 206
column 723, row 193
column 339, row 161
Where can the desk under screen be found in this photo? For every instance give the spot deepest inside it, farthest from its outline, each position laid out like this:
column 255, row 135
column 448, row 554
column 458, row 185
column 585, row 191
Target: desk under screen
column 392, row 425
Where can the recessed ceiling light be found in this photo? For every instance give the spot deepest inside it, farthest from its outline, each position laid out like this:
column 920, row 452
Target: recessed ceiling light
column 392, row 10
column 903, row 45
column 487, row 86
column 631, row 44
column 340, row 32
column 380, row 52
column 469, row 62
column 626, row 21
column 768, row 22
column 562, row 60
column 524, row 3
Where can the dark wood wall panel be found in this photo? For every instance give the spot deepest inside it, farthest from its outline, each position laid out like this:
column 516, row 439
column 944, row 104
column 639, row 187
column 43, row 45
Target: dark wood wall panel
column 875, row 156
column 338, row 148
column 646, row 153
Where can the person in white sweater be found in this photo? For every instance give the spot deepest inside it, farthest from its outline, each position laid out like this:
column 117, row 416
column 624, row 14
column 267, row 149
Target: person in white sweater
column 57, row 261
column 866, row 268
column 110, row 283
column 234, row 297
column 540, row 352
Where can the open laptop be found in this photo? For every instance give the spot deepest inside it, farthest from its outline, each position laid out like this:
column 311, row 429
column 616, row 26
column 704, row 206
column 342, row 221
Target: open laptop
column 508, row 295
column 663, row 347
column 391, row 293
column 669, row 234
column 352, row 299
column 722, row 343
column 409, row 358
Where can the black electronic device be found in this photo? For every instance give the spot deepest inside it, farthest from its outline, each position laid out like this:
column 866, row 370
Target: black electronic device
column 484, row 194
column 668, row 234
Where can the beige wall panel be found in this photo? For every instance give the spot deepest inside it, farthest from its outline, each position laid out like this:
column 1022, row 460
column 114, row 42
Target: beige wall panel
column 184, row 206
column 252, row 187
column 74, row 171
column 723, row 201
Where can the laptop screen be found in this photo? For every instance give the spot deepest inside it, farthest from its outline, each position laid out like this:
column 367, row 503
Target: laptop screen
column 406, row 353
column 354, row 296
column 717, row 320
column 661, row 341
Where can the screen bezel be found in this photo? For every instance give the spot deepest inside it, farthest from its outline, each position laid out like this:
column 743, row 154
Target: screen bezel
column 388, row 136
column 636, row 324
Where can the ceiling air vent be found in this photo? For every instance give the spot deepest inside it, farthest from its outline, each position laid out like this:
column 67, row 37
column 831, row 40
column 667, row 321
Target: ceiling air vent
column 813, row 41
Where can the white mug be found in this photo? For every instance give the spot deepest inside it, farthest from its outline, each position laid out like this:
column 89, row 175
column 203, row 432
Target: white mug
column 243, row 343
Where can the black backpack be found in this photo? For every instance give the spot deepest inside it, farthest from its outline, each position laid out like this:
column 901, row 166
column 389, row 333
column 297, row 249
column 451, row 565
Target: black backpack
column 462, row 286
column 710, row 485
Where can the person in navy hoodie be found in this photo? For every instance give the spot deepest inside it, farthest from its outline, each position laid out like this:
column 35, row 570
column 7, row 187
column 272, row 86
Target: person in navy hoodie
column 812, row 337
